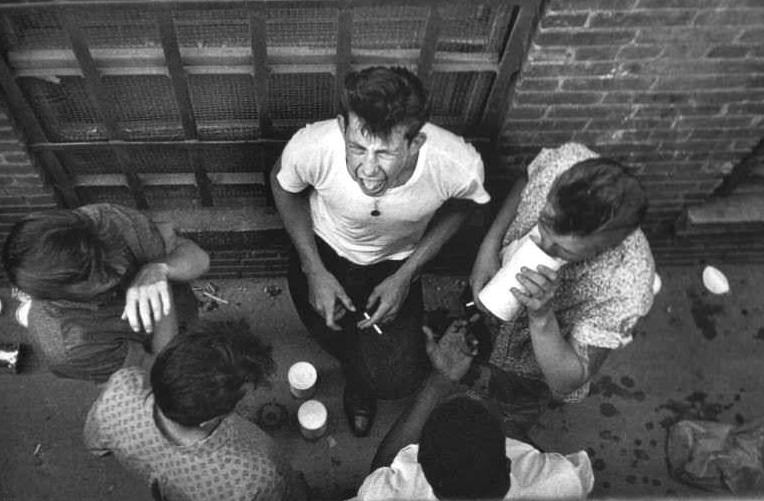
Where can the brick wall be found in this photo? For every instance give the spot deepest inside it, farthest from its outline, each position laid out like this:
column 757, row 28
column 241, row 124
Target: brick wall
column 674, row 87
column 21, row 187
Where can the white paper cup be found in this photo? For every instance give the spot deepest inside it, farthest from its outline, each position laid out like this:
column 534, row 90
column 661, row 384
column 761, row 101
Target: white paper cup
column 312, row 416
column 302, row 378
column 22, row 313
column 496, row 295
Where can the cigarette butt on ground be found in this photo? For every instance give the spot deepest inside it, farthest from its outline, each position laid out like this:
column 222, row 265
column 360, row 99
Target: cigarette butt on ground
column 373, row 326
column 214, row 297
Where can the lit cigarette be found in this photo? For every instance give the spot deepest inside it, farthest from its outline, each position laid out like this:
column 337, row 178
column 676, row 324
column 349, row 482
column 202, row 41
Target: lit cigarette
column 471, row 303
column 374, row 326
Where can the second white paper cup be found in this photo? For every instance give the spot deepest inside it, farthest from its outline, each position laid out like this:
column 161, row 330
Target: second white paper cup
column 312, row 416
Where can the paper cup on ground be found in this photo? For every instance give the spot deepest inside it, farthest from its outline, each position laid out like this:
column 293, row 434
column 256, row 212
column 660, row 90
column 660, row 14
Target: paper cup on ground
column 302, row 378
column 496, row 295
column 22, row 313
column 312, row 417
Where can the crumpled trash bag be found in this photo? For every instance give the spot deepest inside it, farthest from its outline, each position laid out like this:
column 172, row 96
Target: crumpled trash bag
column 718, row 456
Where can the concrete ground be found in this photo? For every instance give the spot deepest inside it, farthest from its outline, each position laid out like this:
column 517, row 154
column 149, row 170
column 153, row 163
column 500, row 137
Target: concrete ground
column 696, row 355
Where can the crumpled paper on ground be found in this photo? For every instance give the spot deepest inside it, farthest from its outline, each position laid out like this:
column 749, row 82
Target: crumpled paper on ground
column 718, row 456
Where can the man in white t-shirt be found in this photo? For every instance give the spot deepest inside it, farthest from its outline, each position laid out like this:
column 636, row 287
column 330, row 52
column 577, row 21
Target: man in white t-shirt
column 368, row 198
column 450, row 446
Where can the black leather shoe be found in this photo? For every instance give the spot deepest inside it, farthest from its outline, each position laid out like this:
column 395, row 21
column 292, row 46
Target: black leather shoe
column 360, row 411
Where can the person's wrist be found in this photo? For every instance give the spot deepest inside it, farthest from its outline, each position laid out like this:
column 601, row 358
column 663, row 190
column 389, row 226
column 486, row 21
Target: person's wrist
column 440, row 381
column 540, row 317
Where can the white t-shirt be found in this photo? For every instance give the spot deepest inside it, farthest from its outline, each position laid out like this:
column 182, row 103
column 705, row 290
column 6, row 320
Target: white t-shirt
column 534, row 475
column 447, row 168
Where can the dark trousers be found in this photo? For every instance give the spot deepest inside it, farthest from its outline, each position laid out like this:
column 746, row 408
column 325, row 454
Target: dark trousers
column 388, row 366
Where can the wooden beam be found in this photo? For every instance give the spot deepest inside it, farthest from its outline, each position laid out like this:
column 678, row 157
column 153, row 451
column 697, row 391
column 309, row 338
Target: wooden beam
column 101, row 100
column 343, row 57
column 171, row 179
column 498, row 99
column 177, row 73
column 429, row 46
column 201, row 178
column 258, row 36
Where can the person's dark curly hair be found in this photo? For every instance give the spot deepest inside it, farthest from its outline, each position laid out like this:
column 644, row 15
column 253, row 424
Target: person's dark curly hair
column 595, row 195
column 462, row 451
column 200, row 375
column 385, row 98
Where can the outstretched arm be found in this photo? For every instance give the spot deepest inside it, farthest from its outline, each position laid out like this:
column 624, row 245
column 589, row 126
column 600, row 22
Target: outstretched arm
column 326, row 294
column 451, row 358
column 387, row 297
column 148, row 299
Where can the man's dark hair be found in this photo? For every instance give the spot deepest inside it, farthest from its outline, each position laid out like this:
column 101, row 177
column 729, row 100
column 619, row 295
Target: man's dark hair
column 384, row 98
column 61, row 254
column 462, row 451
column 595, row 195
column 200, row 375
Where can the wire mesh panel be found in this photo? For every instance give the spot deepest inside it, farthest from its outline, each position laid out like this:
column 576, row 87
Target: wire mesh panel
column 116, row 27
column 204, row 89
column 106, row 194
column 224, row 106
column 239, row 158
column 33, row 30
column 309, row 27
column 457, row 99
column 144, row 107
column 388, row 27
column 300, row 98
column 87, row 161
column 63, row 108
column 212, row 28
column 469, row 27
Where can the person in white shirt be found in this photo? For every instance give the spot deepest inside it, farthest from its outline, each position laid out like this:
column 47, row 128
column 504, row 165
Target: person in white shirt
column 448, row 446
column 368, row 199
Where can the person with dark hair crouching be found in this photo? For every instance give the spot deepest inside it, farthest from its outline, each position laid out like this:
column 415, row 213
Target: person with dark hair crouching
column 450, row 446
column 586, row 211
column 108, row 286
column 177, row 428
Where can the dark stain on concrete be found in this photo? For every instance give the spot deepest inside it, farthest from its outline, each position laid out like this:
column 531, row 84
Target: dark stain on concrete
column 608, row 410
column 649, row 425
column 627, row 382
column 608, row 435
column 631, row 479
column 695, row 406
column 606, row 387
column 591, row 452
column 703, row 314
column 599, row 464
column 744, row 312
column 637, row 442
column 606, row 485
column 739, row 419
column 641, row 455
column 759, row 335
column 657, row 483
column 336, row 462
column 653, row 443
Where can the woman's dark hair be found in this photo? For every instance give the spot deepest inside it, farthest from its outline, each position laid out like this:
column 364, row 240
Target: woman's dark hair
column 384, row 98
column 63, row 255
column 462, row 451
column 201, row 374
column 595, row 195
